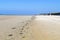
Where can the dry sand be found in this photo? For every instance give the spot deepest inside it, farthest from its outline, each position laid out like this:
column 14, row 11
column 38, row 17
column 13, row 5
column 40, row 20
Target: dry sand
column 22, row 28
column 13, row 27
column 46, row 28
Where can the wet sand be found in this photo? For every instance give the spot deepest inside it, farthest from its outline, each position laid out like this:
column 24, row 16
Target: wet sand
column 23, row 28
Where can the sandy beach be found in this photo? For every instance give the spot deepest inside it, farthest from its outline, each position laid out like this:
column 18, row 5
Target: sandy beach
column 46, row 28
column 24, row 28
column 12, row 27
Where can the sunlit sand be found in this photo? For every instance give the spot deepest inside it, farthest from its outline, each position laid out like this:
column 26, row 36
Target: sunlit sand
column 29, row 27
column 14, row 27
column 46, row 28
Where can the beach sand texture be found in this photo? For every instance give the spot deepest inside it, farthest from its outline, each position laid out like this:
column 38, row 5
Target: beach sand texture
column 46, row 28
column 24, row 28
column 15, row 28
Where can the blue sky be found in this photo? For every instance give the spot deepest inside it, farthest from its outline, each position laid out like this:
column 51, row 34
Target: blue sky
column 29, row 6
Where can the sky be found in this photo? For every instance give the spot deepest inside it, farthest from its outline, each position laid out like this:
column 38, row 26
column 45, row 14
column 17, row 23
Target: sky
column 29, row 6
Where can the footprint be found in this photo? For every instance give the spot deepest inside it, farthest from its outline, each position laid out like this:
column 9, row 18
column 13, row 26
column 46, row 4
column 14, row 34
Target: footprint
column 23, row 37
column 10, row 35
column 13, row 28
column 22, row 29
column 27, row 28
column 21, row 33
